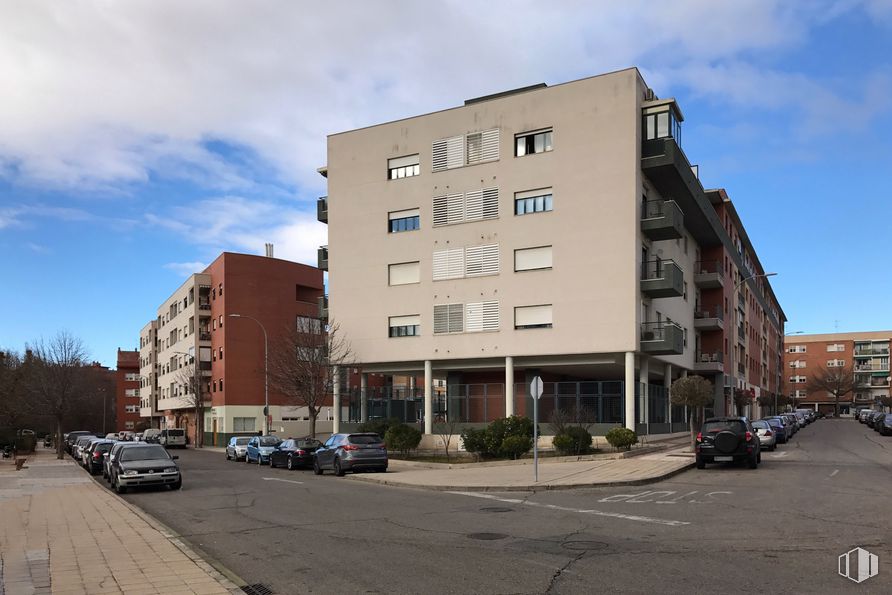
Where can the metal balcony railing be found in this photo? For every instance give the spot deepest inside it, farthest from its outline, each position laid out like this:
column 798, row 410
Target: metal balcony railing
column 713, row 312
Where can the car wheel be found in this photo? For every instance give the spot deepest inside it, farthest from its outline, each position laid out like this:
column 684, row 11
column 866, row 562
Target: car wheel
column 772, row 447
column 227, row 456
column 177, row 485
column 701, row 464
column 759, row 458
column 119, row 488
column 247, row 458
column 752, row 463
column 260, row 460
column 291, row 466
column 338, row 470
column 317, row 470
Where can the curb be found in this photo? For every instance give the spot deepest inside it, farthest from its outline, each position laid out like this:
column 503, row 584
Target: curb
column 227, row 579
column 524, row 488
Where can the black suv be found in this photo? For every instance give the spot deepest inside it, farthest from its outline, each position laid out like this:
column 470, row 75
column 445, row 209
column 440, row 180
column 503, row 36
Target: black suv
column 728, row 439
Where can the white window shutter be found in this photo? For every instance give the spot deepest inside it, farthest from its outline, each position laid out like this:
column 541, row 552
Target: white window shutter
column 455, row 208
column 448, row 264
column 482, row 260
column 441, row 212
column 474, row 205
column 404, row 273
column 482, row 316
column 490, row 203
column 441, row 319
column 447, row 153
column 448, row 318
column 483, row 146
column 456, row 318
column 532, row 315
column 526, row 259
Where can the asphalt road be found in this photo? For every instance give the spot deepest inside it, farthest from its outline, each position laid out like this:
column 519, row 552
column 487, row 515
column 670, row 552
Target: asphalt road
column 725, row 529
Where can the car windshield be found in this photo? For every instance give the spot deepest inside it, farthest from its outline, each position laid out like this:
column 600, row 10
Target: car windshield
column 364, row 439
column 104, row 447
column 720, row 426
column 242, row 441
column 761, row 424
column 174, row 432
column 308, row 443
column 144, row 453
column 269, row 441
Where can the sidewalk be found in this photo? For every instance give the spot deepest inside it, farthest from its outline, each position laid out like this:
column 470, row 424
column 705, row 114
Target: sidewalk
column 62, row 533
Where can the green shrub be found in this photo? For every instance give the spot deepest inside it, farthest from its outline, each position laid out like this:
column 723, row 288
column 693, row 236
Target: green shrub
column 402, row 438
column 574, row 440
column 474, row 441
column 621, row 438
column 514, row 446
column 378, row 426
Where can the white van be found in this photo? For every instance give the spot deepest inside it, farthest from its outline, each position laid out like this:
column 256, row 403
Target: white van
column 172, row 438
column 151, row 435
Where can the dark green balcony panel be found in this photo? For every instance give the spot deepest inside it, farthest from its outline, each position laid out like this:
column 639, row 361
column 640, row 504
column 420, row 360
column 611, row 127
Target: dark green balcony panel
column 662, row 220
column 322, row 209
column 322, row 257
column 709, row 274
column 662, row 339
column 710, row 363
column 323, row 307
column 662, row 279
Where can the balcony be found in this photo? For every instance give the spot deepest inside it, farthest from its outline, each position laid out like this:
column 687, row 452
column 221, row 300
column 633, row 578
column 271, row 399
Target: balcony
column 709, row 319
column 204, row 336
column 662, row 338
column 204, row 366
column 662, row 220
column 662, row 278
column 204, row 305
column 322, row 258
column 871, row 367
column 322, row 209
column 323, row 307
column 708, row 274
column 870, row 351
column 710, row 362
column 741, row 335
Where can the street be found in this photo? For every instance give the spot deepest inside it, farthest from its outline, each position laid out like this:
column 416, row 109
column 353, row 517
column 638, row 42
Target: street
column 725, row 529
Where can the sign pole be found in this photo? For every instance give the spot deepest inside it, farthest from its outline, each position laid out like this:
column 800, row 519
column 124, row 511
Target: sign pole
column 536, row 392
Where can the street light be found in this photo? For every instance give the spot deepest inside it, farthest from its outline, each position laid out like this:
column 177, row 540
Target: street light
column 265, row 371
column 735, row 324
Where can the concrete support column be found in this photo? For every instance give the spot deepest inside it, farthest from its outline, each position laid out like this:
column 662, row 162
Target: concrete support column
column 363, row 397
column 644, row 397
column 630, row 390
column 336, row 400
column 428, row 398
column 667, row 382
column 509, row 386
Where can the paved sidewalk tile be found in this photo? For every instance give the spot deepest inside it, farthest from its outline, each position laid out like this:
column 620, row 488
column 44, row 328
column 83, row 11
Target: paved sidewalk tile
column 62, row 533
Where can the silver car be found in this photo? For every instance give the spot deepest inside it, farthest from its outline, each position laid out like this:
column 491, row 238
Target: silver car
column 237, row 448
column 767, row 435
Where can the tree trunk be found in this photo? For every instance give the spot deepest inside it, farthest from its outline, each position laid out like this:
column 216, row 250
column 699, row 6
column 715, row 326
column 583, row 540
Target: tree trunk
column 314, row 413
column 691, row 424
column 836, row 406
column 59, row 453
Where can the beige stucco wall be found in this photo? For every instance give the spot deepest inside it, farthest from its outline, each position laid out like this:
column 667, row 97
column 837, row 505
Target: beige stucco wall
column 594, row 171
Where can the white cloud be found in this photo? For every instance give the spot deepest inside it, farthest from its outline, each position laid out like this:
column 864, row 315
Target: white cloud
column 185, row 269
column 100, row 94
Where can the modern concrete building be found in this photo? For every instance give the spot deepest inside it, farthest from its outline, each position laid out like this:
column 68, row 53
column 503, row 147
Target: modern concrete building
column 271, row 296
column 148, row 374
column 867, row 353
column 127, row 391
column 558, row 232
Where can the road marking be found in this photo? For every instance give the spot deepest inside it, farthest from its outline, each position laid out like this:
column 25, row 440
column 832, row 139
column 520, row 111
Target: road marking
column 661, row 497
column 835, row 471
column 616, row 515
column 779, row 455
column 284, row 480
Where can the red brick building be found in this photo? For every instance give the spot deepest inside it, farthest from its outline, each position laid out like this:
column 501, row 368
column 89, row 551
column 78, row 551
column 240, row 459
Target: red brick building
column 127, row 387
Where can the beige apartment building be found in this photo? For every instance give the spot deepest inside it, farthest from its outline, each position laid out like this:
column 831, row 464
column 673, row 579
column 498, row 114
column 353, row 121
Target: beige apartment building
column 867, row 353
column 558, row 232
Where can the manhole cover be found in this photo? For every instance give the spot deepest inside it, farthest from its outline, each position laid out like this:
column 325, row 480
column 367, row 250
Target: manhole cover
column 496, row 509
column 257, row 589
column 487, row 536
column 584, row 546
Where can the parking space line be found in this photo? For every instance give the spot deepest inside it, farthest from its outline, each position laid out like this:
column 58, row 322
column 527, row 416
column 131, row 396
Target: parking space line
column 283, row 480
column 835, row 471
column 617, row 515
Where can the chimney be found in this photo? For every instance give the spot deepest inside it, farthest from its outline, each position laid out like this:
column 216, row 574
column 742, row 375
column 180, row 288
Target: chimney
column 269, row 250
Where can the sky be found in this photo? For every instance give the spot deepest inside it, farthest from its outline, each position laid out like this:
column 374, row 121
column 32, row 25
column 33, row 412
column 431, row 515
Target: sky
column 140, row 139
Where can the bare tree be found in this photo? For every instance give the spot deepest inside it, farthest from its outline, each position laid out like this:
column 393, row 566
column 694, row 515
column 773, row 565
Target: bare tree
column 886, row 401
column 190, row 382
column 301, row 366
column 446, row 427
column 59, row 378
column 836, row 381
column 694, row 392
column 13, row 401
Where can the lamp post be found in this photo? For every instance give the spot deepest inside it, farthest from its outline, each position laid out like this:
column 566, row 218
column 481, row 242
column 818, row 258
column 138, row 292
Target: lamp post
column 735, row 324
column 780, row 374
column 265, row 371
column 196, row 380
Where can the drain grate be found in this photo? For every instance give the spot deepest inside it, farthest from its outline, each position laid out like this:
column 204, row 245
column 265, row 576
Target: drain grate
column 257, row 589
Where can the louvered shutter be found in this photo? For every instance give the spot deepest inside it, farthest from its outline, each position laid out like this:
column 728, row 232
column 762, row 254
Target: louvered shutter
column 456, row 318
column 441, row 319
column 482, row 260
column 483, row 146
column 490, row 203
column 482, row 316
column 448, row 264
column 448, row 318
column 448, row 209
column 447, row 153
column 474, row 205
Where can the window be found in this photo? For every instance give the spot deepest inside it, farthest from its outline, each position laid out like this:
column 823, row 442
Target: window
column 399, row 221
column 221, row 384
column 243, row 424
column 836, row 347
column 474, row 205
column 449, row 264
column 308, row 325
column 532, row 316
column 131, row 377
column 797, row 364
column 796, row 349
column 221, row 321
column 221, row 290
column 448, row 318
column 797, row 379
column 482, row 316
column 532, row 142
column 405, row 326
column 448, row 153
column 403, row 167
column 836, row 363
column 661, row 123
column 532, row 201
column 131, row 392
column 221, row 353
column 404, row 273
column 131, row 408
column 483, row 146
column 128, row 425
column 532, row 259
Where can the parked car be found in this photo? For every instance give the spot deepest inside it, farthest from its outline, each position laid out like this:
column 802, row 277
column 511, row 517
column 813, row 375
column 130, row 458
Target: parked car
column 877, row 421
column 793, row 420
column 172, row 438
column 259, row 449
column 84, row 459
column 862, row 415
column 80, row 442
column 236, row 448
column 871, row 417
column 780, row 429
column 145, row 464
column 151, row 435
column 767, row 437
column 727, row 439
column 95, row 455
column 112, row 436
column 789, row 426
column 350, row 452
column 108, row 458
column 884, row 427
column 71, row 438
column 294, row 453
